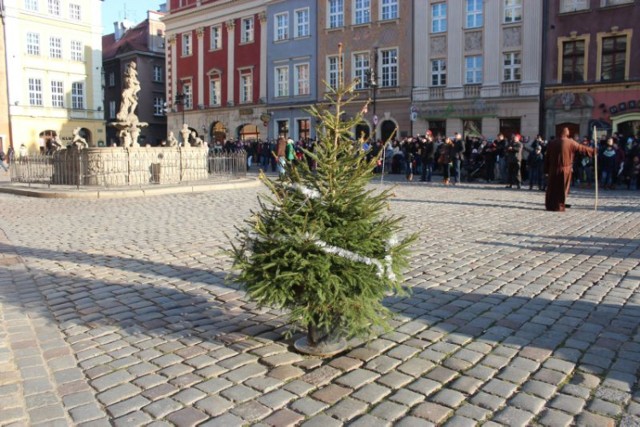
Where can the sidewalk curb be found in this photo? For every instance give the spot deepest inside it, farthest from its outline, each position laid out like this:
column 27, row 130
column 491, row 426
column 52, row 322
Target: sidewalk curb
column 123, row 193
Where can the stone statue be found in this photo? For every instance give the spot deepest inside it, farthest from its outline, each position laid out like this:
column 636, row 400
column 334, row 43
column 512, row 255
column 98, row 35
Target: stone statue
column 185, row 132
column 127, row 122
column 197, row 141
column 78, row 141
column 171, row 140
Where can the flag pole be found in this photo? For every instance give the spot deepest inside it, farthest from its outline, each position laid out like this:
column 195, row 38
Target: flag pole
column 595, row 172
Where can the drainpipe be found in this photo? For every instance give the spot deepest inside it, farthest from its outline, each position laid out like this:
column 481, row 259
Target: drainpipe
column 542, row 122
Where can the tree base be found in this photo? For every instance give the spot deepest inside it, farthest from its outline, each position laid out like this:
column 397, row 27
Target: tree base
column 322, row 349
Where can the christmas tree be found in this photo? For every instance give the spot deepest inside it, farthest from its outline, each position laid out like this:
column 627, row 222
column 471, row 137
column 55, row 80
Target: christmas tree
column 321, row 243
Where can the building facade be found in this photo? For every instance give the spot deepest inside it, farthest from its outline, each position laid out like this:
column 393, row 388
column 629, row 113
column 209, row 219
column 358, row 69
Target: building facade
column 53, row 66
column 376, row 40
column 143, row 44
column 5, row 124
column 291, row 69
column 592, row 67
column 477, row 66
column 216, row 67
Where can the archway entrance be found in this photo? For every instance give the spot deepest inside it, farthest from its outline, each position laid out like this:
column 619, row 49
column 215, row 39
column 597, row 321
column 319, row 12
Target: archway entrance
column 248, row 132
column 629, row 128
column 363, row 131
column 86, row 134
column 218, row 132
column 387, row 129
column 574, row 128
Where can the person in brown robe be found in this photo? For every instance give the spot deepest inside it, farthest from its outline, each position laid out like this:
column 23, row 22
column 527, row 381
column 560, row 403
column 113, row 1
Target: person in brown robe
column 558, row 164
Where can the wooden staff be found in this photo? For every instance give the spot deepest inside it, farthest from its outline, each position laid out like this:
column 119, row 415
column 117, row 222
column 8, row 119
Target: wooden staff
column 595, row 171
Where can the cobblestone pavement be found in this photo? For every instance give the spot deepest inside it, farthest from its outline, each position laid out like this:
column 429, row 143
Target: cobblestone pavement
column 116, row 312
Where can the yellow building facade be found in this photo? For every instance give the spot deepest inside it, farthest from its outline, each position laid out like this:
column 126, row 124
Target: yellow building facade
column 53, row 57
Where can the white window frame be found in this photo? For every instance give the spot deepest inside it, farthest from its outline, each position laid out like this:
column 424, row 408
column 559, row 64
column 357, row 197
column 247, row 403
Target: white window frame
column 77, row 96
column 246, row 86
column 567, row 6
column 439, row 17
column 57, row 93
column 281, row 74
column 281, row 26
column 31, row 5
column 335, row 13
column 157, row 73
column 112, row 109
column 55, row 47
column 75, row 12
column 302, row 27
column 473, row 67
column 35, row 91
column 54, row 7
column 606, row 3
column 388, row 67
column 302, row 79
column 187, row 92
column 187, row 44
column 389, row 9
column 474, row 14
column 438, row 72
column 361, row 12
column 215, row 89
column 360, row 64
column 158, row 106
column 246, row 30
column 512, row 11
column 512, row 66
column 215, row 37
column 77, row 53
column 33, row 44
column 333, row 71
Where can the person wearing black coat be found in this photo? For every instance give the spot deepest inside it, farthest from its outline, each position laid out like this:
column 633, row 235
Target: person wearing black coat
column 427, row 149
column 458, row 157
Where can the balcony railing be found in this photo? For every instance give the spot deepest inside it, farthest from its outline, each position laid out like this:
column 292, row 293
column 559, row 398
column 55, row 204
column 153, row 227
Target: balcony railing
column 472, row 91
column 436, row 93
column 510, row 89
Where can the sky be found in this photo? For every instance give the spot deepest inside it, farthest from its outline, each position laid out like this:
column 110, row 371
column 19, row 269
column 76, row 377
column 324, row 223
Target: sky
column 135, row 10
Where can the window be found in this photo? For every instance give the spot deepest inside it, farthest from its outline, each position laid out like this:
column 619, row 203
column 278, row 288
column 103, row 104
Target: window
column 247, row 30
column 215, row 89
column 283, row 128
column 54, row 7
column 614, row 58
column 112, row 109
column 333, row 78
column 57, row 94
column 77, row 96
column 302, row 28
column 473, row 69
column 282, row 81
column 389, row 68
column 512, row 65
column 112, row 79
column 302, row 80
column 33, row 44
column 215, row 41
column 246, row 87
column 389, row 9
column 157, row 73
column 439, row 18
column 573, row 5
column 31, row 5
column 512, row 11
column 360, row 69
column 336, row 13
column 186, row 44
column 55, row 47
column 362, row 12
column 282, row 26
column 35, row 92
column 438, row 72
column 187, row 92
column 304, row 128
column 573, row 61
column 158, row 106
column 76, row 51
column 74, row 12
column 474, row 13
column 606, row 3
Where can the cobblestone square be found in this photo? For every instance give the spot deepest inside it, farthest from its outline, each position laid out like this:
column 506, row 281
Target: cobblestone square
column 118, row 312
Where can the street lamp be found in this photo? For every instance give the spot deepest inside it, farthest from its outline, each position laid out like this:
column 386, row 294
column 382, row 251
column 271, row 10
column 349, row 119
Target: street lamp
column 179, row 100
column 373, row 84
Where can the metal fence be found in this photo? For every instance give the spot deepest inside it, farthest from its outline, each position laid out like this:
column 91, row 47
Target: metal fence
column 121, row 167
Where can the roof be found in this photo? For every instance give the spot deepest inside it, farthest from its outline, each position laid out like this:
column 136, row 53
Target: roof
column 134, row 39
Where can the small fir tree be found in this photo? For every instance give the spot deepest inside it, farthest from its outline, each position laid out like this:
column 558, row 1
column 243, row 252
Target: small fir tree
column 320, row 244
